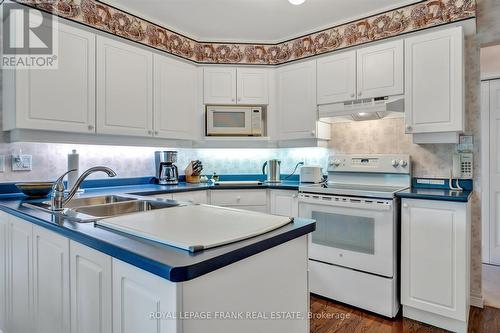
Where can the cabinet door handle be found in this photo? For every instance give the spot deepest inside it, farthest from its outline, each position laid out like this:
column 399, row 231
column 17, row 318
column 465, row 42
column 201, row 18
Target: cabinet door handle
column 408, row 128
column 156, row 132
column 405, row 205
column 232, row 99
column 360, row 93
column 313, row 133
column 353, row 95
column 91, row 127
column 150, row 132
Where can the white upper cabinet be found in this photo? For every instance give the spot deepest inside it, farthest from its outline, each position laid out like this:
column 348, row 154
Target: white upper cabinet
column 380, row 70
column 229, row 85
column 337, row 78
column 252, row 86
column 61, row 99
column 124, row 88
column 434, row 82
column 297, row 110
column 219, row 85
column 175, row 98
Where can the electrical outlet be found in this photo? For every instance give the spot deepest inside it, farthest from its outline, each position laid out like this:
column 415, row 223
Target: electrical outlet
column 2, row 163
column 21, row 162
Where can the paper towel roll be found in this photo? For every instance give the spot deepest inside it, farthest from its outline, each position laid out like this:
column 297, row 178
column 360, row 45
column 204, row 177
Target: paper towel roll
column 73, row 161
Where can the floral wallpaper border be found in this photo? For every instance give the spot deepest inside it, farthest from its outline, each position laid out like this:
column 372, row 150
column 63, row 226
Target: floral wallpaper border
column 414, row 17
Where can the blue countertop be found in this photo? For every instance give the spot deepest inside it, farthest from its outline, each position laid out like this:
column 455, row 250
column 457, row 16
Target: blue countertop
column 437, row 192
column 165, row 261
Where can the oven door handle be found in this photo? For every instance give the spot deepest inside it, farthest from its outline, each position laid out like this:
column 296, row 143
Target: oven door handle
column 347, row 202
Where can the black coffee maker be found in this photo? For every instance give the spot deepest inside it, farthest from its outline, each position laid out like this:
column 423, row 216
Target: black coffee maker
column 166, row 171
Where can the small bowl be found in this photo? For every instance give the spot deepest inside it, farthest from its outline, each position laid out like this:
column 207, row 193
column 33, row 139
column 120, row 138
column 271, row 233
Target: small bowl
column 35, row 189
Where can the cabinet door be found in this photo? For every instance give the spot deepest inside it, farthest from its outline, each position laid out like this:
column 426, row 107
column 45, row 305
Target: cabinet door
column 337, row 78
column 219, row 85
column 61, row 99
column 494, row 173
column 3, row 271
column 199, row 197
column 380, row 70
column 124, row 88
column 176, row 98
column 136, row 295
column 434, row 255
column 90, row 290
column 253, row 86
column 297, row 100
column 434, row 82
column 20, row 276
column 51, row 281
column 284, row 203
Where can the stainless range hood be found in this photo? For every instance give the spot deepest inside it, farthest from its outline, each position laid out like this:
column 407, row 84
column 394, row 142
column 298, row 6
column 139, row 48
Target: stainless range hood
column 363, row 109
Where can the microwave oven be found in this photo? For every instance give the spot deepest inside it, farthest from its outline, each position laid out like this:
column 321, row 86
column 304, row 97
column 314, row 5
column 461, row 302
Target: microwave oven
column 234, row 121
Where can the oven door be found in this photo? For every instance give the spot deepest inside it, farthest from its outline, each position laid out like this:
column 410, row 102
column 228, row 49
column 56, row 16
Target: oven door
column 359, row 233
column 229, row 121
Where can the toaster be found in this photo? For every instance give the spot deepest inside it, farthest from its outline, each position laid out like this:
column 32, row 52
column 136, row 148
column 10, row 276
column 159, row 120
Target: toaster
column 311, row 174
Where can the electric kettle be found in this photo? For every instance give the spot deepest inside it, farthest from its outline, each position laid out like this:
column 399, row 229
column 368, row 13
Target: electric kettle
column 273, row 171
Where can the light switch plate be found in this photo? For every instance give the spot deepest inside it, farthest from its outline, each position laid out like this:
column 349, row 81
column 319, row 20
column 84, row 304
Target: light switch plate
column 22, row 162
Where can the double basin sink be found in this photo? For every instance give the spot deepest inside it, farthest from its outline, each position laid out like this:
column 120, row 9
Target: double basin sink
column 90, row 209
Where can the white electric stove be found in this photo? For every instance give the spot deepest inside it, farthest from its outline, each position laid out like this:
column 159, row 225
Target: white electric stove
column 353, row 254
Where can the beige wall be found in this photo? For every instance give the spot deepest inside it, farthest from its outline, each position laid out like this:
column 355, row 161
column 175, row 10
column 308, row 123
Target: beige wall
column 490, row 61
column 388, row 136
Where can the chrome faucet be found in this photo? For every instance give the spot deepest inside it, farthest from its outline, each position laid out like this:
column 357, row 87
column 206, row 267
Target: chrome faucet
column 59, row 200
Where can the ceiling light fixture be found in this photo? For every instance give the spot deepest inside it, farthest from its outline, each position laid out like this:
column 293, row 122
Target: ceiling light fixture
column 296, row 2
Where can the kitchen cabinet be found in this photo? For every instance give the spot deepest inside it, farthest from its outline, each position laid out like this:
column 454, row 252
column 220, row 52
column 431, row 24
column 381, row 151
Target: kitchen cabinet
column 136, row 295
column 219, row 85
column 61, row 99
column 284, row 202
column 254, row 200
column 336, row 78
column 368, row 72
column 20, row 305
column 175, row 98
column 435, row 262
column 297, row 110
column 91, row 291
column 124, row 88
column 51, row 291
column 434, row 80
column 380, row 70
column 229, row 85
column 3, row 271
column 199, row 197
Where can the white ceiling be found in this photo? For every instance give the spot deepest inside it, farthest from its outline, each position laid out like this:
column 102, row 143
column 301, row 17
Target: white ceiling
column 252, row 20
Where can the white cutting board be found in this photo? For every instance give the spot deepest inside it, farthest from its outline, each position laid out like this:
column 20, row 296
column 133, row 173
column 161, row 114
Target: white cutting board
column 196, row 227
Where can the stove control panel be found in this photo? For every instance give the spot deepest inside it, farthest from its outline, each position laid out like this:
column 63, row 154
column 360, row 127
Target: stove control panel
column 370, row 163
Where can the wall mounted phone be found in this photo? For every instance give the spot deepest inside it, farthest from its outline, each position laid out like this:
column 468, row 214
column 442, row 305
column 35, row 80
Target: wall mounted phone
column 463, row 165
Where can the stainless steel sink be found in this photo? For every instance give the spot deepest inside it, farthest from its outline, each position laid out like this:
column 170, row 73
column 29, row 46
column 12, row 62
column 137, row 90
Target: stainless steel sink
column 121, row 208
column 91, row 201
column 90, row 209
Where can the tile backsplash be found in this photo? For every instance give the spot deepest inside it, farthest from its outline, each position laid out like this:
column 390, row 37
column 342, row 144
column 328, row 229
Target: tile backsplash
column 50, row 159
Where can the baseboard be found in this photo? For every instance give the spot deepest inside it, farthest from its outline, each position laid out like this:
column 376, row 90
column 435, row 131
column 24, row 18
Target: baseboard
column 477, row 300
column 433, row 319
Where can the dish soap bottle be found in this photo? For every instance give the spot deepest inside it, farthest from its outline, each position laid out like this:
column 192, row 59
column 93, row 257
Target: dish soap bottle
column 73, row 162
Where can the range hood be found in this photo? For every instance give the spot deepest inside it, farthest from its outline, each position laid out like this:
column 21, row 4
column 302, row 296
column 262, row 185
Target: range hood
column 363, row 109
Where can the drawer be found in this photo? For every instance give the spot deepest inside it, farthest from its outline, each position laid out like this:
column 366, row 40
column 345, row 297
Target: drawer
column 239, row 197
column 163, row 196
column 191, row 196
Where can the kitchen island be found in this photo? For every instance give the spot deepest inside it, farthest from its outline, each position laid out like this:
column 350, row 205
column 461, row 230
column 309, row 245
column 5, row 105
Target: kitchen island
column 83, row 278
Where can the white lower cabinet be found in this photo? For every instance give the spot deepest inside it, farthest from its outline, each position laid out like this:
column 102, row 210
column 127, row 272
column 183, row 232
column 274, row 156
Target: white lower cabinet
column 284, row 202
column 138, row 296
column 51, row 293
column 3, row 271
column 254, row 200
column 198, row 197
column 435, row 262
column 91, row 292
column 19, row 276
